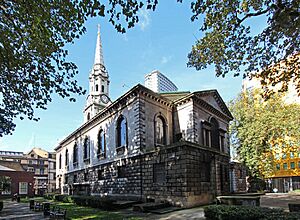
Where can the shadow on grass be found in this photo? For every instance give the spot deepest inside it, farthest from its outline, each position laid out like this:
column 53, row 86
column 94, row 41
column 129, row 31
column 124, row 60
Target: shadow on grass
column 81, row 212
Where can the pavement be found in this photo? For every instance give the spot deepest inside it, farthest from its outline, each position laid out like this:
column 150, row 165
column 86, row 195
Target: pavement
column 279, row 200
column 14, row 210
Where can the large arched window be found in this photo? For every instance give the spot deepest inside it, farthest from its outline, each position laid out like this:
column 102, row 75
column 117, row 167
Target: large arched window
column 160, row 130
column 75, row 153
column 215, row 140
column 101, row 143
column 59, row 162
column 67, row 158
column 121, row 132
column 86, row 148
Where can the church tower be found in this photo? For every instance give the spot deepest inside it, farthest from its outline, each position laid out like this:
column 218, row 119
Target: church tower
column 98, row 96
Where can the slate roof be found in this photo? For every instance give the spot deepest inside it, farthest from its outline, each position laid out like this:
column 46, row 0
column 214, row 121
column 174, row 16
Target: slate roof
column 15, row 166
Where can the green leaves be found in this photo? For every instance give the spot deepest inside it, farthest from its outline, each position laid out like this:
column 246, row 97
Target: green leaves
column 33, row 62
column 231, row 44
column 259, row 125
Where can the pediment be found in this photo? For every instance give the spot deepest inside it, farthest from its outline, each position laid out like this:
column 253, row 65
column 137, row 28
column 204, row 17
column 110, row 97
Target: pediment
column 213, row 98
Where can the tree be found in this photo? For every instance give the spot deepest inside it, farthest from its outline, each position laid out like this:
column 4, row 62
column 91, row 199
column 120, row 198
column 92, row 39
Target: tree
column 271, row 55
column 262, row 127
column 5, row 184
column 33, row 61
column 33, row 33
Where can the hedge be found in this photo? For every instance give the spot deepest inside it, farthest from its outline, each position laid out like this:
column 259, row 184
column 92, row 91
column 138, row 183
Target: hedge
column 59, row 197
column 229, row 212
column 49, row 196
column 94, row 202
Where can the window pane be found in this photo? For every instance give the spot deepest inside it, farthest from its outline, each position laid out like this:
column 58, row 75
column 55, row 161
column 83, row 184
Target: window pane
column 75, row 153
column 23, row 188
column 292, row 165
column 123, row 132
column 160, row 131
column 101, row 142
column 86, row 149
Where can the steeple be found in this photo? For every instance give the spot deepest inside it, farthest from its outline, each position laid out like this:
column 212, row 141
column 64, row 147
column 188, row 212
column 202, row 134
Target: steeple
column 99, row 52
column 98, row 96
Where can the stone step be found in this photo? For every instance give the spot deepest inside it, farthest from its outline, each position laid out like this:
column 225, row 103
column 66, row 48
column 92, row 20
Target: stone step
column 123, row 204
column 147, row 207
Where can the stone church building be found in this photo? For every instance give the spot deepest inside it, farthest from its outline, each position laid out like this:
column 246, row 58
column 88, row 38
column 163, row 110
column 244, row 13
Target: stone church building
column 147, row 146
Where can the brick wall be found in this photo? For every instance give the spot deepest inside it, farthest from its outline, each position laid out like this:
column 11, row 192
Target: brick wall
column 16, row 178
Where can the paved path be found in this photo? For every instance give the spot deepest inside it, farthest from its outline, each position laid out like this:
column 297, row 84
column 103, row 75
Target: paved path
column 14, row 210
column 279, row 200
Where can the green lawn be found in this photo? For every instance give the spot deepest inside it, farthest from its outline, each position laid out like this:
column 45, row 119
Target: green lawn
column 80, row 212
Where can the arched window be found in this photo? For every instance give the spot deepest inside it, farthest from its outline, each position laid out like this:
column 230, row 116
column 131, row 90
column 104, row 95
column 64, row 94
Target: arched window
column 75, row 153
column 67, row 158
column 86, row 148
column 101, row 143
column 96, row 87
column 88, row 116
column 59, row 162
column 121, row 132
column 215, row 140
column 102, row 88
column 160, row 131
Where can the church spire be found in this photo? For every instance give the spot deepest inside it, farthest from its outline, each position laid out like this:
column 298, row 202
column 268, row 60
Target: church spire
column 98, row 52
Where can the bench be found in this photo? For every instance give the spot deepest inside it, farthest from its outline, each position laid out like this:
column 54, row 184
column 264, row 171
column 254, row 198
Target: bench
column 294, row 207
column 38, row 206
column 57, row 213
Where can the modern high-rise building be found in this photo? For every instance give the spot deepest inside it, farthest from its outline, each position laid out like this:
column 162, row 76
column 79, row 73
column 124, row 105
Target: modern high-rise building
column 158, row 82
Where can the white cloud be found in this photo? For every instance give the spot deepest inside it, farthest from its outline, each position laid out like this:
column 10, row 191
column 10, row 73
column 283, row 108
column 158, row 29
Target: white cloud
column 125, row 38
column 165, row 59
column 144, row 17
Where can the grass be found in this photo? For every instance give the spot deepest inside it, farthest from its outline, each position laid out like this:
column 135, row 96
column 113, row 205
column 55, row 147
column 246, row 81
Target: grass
column 80, row 212
column 38, row 199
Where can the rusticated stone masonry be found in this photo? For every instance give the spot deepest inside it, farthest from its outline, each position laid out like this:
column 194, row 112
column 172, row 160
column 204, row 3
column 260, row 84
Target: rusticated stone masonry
column 183, row 174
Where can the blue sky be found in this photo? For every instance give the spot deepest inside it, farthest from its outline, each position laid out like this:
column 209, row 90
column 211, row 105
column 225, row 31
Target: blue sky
column 161, row 41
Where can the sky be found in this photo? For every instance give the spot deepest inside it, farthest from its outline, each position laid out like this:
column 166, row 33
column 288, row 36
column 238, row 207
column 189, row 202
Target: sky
column 161, row 41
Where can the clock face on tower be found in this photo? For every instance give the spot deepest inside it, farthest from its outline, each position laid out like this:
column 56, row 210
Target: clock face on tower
column 104, row 98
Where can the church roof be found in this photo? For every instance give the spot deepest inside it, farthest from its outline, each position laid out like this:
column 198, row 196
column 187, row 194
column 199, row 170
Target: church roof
column 173, row 96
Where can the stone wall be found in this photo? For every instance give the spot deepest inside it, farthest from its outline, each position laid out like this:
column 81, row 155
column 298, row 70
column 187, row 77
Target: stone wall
column 238, row 173
column 183, row 174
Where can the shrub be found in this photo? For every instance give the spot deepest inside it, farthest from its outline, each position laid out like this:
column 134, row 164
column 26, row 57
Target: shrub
column 49, row 196
column 228, row 212
column 94, row 202
column 63, row 198
column 80, row 200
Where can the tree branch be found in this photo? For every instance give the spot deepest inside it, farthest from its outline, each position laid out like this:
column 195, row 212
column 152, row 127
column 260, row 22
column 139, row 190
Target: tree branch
column 253, row 15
